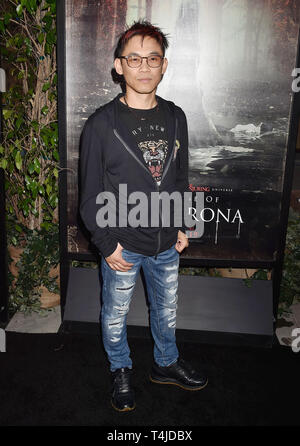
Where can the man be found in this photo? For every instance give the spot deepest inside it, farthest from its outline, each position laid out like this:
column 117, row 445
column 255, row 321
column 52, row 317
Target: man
column 138, row 141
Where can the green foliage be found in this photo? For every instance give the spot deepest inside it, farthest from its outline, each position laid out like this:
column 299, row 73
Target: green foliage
column 81, row 264
column 28, row 153
column 29, row 150
column 290, row 283
column 40, row 254
column 260, row 274
column 190, row 271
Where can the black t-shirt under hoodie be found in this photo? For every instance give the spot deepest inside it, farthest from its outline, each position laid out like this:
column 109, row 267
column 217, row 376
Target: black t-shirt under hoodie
column 148, row 129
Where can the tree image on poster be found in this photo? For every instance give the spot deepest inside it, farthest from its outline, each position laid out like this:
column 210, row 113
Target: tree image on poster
column 230, row 66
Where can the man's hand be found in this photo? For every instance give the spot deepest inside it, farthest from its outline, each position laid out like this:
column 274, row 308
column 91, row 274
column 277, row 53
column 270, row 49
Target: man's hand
column 116, row 261
column 182, row 241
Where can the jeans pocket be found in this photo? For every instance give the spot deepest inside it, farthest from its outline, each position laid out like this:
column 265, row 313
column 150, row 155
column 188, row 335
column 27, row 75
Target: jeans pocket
column 129, row 256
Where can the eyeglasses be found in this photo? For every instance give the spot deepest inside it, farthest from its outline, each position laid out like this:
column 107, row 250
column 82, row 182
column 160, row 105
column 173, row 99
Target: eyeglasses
column 134, row 61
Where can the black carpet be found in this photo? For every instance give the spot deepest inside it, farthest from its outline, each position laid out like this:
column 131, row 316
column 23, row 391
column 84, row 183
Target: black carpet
column 63, row 379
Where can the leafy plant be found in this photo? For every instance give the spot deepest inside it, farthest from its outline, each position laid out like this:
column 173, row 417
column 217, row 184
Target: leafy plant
column 28, row 152
column 82, row 264
column 29, row 149
column 39, row 256
column 290, row 283
column 191, row 271
column 260, row 274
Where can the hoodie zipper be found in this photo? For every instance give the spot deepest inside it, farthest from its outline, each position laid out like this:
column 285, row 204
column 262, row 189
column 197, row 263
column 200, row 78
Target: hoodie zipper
column 131, row 152
column 159, row 230
column 164, row 173
column 147, row 170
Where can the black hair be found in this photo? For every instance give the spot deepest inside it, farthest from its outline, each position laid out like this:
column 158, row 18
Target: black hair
column 145, row 29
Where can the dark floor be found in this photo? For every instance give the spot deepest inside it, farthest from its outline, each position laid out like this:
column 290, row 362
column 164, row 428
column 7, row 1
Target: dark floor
column 51, row 379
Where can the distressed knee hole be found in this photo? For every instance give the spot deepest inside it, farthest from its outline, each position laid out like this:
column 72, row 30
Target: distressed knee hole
column 171, row 268
column 126, row 273
column 122, row 309
column 174, row 301
column 114, row 339
column 173, row 291
column 172, row 314
column 125, row 289
column 117, row 323
column 172, row 278
column 172, row 324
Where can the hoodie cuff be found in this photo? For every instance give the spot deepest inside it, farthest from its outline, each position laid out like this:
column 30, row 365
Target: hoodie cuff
column 107, row 246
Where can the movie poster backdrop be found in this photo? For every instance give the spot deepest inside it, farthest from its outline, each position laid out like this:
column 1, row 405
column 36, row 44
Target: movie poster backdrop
column 230, row 66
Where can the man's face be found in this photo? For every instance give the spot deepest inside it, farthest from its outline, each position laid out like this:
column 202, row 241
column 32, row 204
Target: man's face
column 144, row 79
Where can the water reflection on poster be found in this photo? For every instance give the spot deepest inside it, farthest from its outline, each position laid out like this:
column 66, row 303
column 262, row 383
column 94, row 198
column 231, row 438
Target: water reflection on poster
column 230, row 65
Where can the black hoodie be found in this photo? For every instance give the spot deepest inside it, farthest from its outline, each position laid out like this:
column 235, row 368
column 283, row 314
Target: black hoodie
column 109, row 157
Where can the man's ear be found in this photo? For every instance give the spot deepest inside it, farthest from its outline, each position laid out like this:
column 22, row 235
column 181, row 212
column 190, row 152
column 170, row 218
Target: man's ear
column 164, row 65
column 118, row 66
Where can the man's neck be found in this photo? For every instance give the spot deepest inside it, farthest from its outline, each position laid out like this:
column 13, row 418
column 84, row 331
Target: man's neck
column 139, row 101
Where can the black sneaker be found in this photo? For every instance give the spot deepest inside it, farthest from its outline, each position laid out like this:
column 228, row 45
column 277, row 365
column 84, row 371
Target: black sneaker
column 179, row 374
column 122, row 394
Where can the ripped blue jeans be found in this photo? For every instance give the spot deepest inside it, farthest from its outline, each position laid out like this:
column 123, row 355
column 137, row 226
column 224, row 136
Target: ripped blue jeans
column 161, row 276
